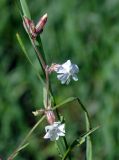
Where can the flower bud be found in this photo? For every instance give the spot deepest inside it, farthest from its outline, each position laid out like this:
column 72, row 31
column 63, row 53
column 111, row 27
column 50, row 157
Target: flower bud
column 30, row 27
column 50, row 116
column 40, row 25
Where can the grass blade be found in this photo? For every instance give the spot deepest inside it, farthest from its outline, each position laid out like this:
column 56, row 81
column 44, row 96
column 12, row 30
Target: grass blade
column 22, row 144
column 25, row 9
column 88, row 141
column 88, row 127
column 26, row 54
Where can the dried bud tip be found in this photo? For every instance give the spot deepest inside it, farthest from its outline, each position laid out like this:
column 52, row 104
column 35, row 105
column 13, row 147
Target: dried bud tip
column 35, row 113
column 40, row 25
column 44, row 17
column 38, row 112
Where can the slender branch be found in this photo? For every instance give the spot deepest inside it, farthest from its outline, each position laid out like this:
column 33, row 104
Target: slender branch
column 47, row 88
column 45, row 69
column 38, row 55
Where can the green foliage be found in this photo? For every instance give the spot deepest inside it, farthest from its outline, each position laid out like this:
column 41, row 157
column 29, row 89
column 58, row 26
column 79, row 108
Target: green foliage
column 86, row 32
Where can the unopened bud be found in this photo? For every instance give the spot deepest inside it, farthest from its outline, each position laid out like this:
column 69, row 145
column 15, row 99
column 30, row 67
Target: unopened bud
column 50, row 116
column 40, row 25
column 30, row 27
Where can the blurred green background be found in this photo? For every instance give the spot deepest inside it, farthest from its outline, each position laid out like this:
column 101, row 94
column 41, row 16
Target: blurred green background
column 87, row 33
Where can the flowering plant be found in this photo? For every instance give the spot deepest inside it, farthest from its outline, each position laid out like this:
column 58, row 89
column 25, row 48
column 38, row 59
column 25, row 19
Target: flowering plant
column 65, row 72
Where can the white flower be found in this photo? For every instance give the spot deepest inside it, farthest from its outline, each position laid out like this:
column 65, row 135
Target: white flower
column 54, row 131
column 66, row 71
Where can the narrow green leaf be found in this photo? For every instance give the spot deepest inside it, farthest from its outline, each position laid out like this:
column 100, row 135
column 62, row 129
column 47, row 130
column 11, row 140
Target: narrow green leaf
column 26, row 54
column 88, row 141
column 13, row 156
column 25, row 9
column 84, row 136
column 88, row 127
column 70, row 99
column 21, row 43
column 24, row 146
column 78, row 142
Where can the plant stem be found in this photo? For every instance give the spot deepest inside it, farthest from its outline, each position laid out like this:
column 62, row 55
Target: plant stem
column 45, row 70
column 39, row 55
column 47, row 88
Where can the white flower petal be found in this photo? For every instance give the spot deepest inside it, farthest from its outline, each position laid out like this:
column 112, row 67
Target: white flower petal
column 62, row 128
column 62, row 77
column 61, row 134
column 75, row 78
column 67, row 66
column 47, row 135
column 75, row 68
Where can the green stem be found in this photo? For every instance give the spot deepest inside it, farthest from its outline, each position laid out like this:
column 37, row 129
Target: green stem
column 47, row 88
column 39, row 55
